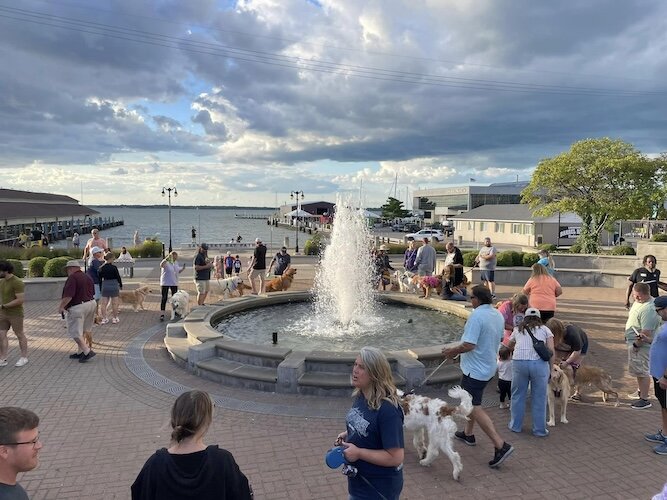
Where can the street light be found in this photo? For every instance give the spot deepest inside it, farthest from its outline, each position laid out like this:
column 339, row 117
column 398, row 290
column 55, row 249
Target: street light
column 298, row 209
column 169, row 190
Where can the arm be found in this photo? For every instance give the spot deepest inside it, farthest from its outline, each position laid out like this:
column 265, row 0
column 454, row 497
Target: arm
column 63, row 303
column 20, row 298
column 550, row 344
column 452, row 352
column 559, row 291
column 392, row 457
column 627, row 297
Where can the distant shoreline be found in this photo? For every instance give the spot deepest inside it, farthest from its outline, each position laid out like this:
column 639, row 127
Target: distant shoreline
column 189, row 207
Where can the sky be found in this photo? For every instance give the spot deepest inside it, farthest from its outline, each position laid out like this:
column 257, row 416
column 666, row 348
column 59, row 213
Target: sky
column 242, row 103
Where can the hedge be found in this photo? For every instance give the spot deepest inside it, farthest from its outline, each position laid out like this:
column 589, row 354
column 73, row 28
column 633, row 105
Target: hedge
column 36, row 266
column 661, row 237
column 623, row 250
column 505, row 259
column 549, row 247
column 314, row 245
column 469, row 258
column 18, row 268
column 148, row 248
column 55, row 268
column 529, row 259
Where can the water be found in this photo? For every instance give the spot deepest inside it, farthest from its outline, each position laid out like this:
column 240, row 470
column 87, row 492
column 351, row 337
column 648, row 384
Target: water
column 213, row 226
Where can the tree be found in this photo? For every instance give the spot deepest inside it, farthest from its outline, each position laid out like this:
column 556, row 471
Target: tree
column 601, row 180
column 393, row 209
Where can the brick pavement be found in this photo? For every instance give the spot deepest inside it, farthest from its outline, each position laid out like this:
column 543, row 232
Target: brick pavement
column 99, row 423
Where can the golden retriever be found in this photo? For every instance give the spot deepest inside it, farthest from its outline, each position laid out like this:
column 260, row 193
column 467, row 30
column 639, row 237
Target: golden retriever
column 591, row 375
column 559, row 389
column 135, row 297
column 281, row 283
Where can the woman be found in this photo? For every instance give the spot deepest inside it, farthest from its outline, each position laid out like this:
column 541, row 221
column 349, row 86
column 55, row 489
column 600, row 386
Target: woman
column 528, row 369
column 125, row 256
column 169, row 271
column 373, row 441
column 512, row 311
column 382, row 268
column 189, row 468
column 542, row 290
column 449, row 291
column 546, row 261
column 409, row 257
column 571, row 344
column 110, row 286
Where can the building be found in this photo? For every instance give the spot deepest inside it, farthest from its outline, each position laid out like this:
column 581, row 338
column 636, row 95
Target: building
column 440, row 204
column 313, row 208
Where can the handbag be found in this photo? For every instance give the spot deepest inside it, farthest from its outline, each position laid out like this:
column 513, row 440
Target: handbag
column 540, row 347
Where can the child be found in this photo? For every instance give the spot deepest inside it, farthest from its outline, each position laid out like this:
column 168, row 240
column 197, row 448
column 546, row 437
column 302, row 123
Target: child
column 504, row 376
column 218, row 267
column 229, row 264
column 237, row 265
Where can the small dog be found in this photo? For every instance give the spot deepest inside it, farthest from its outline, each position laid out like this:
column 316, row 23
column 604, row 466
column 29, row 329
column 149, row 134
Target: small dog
column 230, row 285
column 180, row 304
column 428, row 283
column 591, row 375
column 405, row 282
column 281, row 283
column 559, row 389
column 435, row 418
column 135, row 297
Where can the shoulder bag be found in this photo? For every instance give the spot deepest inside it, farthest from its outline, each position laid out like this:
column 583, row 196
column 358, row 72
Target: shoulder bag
column 540, row 347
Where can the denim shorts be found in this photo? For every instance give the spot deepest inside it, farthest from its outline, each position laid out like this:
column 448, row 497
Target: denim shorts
column 487, row 276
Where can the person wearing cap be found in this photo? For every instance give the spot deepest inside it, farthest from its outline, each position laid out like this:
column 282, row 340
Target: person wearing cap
column 95, row 241
column 202, row 265
column 282, row 260
column 425, row 260
column 78, row 307
column 382, row 267
column 12, row 296
column 228, row 264
column 528, row 369
column 658, row 370
column 257, row 267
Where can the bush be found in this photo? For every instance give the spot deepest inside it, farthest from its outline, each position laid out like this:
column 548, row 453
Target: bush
column 623, row 250
column 55, row 268
column 529, row 259
column 469, row 258
column 18, row 268
column 549, row 247
column 315, row 245
column 36, row 266
column 576, row 248
column 7, row 253
column 661, row 237
column 148, row 248
column 517, row 258
column 505, row 259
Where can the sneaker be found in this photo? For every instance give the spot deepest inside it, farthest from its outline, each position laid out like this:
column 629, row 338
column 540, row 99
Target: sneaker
column 634, row 395
column 22, row 362
column 504, row 405
column 500, row 455
column 661, row 449
column 104, row 321
column 658, row 437
column 3, row 362
column 76, row 355
column 493, row 295
column 640, row 404
column 161, row 317
column 469, row 440
column 85, row 357
column 115, row 320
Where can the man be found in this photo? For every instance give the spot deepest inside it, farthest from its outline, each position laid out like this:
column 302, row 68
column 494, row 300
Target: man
column 646, row 274
column 19, row 449
column 455, row 258
column 658, row 370
column 642, row 322
column 12, row 294
column 193, row 232
column 202, row 265
column 479, row 350
column 425, row 260
column 487, row 264
column 95, row 241
column 282, row 260
column 258, row 267
column 78, row 307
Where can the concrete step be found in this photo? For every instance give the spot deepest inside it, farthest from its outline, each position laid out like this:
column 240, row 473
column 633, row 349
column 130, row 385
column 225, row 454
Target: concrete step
column 332, row 383
column 236, row 374
column 268, row 356
column 447, row 374
column 178, row 348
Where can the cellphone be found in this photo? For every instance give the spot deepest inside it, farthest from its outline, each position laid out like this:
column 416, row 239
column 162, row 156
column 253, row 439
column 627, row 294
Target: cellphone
column 637, row 334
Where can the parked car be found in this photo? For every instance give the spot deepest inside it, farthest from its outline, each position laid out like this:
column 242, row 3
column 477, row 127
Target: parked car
column 411, row 227
column 398, row 227
column 431, row 234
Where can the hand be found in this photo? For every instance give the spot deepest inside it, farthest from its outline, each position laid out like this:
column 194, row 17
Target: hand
column 341, row 437
column 627, row 305
column 450, row 352
column 351, row 452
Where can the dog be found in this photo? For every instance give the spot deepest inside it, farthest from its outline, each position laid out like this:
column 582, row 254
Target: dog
column 428, row 283
column 591, row 375
column 433, row 419
column 180, row 304
column 230, row 285
column 405, row 282
column 559, row 389
column 281, row 283
column 135, row 297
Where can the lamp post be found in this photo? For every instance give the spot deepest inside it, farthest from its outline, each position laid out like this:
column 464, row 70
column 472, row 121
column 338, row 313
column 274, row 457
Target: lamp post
column 169, row 190
column 292, row 195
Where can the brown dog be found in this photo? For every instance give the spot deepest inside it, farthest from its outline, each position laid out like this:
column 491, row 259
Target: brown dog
column 559, row 389
column 591, row 375
column 135, row 297
column 281, row 283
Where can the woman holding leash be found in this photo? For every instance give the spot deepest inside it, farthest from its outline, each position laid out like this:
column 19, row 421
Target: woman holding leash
column 169, row 271
column 373, row 441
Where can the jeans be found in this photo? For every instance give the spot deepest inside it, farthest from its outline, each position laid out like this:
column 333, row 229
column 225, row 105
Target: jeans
column 535, row 373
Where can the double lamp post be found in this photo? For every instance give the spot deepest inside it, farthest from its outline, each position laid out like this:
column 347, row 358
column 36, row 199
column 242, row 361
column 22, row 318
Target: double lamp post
column 168, row 190
column 296, row 194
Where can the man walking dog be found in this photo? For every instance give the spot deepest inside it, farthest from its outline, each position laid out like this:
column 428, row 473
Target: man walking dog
column 78, row 308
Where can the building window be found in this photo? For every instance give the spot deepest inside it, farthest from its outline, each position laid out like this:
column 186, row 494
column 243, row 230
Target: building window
column 500, row 227
column 482, row 226
column 471, row 225
column 516, row 228
column 527, row 229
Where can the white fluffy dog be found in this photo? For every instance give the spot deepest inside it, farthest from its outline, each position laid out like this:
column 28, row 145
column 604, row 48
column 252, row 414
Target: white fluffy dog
column 435, row 418
column 405, row 281
column 180, row 304
column 230, row 285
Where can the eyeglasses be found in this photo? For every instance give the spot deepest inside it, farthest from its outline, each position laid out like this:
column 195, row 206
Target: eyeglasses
column 33, row 442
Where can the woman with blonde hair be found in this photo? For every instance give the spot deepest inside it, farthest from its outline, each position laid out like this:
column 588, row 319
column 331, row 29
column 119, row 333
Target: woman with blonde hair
column 542, row 290
column 373, row 443
column 450, row 291
column 189, row 468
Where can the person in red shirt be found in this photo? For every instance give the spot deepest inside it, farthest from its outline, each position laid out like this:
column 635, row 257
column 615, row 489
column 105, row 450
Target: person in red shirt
column 78, row 307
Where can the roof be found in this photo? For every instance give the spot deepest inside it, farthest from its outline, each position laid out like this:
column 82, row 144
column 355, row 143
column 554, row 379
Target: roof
column 13, row 212
column 29, row 196
column 519, row 212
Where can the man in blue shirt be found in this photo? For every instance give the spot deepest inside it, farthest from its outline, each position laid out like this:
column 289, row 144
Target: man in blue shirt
column 658, row 370
column 479, row 350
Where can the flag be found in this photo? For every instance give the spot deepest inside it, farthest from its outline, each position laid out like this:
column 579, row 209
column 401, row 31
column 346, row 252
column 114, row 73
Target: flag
column 472, row 180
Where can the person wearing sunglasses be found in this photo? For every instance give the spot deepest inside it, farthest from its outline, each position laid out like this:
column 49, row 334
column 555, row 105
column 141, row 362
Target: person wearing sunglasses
column 19, row 448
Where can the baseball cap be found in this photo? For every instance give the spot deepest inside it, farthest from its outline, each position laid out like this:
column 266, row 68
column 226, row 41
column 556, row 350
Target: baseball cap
column 204, row 246
column 660, row 302
column 383, row 247
column 95, row 250
column 257, row 240
column 531, row 311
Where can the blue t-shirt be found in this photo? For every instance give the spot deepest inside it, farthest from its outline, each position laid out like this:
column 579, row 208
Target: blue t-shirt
column 484, row 328
column 93, row 270
column 658, row 353
column 380, row 429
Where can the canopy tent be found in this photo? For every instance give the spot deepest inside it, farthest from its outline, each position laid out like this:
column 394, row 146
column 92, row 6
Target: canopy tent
column 299, row 213
column 368, row 214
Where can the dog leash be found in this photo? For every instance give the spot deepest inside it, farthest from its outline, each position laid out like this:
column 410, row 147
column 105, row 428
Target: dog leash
column 437, row 368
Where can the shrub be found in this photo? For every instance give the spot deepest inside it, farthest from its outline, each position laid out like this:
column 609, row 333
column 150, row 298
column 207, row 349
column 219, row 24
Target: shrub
column 314, row 245
column 469, row 258
column 36, row 266
column 18, row 268
column 661, row 237
column 623, row 250
column 529, row 259
column 505, row 259
column 576, row 248
column 7, row 253
column 517, row 257
column 148, row 248
column 55, row 268
column 549, row 247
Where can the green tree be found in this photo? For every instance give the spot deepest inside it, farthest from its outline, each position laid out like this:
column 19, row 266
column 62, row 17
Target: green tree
column 601, row 180
column 393, row 209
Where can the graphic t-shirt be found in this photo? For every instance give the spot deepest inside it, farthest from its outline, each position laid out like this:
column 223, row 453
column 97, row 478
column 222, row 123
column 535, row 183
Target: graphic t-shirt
column 643, row 275
column 282, row 261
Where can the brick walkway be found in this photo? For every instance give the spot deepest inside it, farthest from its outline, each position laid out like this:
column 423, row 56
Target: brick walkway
column 99, row 423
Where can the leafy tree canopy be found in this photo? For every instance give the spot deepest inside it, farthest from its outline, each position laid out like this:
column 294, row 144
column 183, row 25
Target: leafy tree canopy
column 601, row 180
column 393, row 209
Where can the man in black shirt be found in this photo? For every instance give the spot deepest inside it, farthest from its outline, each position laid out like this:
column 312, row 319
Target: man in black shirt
column 258, row 267
column 203, row 267
column 647, row 274
column 455, row 258
column 282, row 260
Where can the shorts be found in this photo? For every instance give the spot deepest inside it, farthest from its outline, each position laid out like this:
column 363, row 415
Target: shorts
column 638, row 361
column 15, row 322
column 489, row 276
column 258, row 273
column 475, row 388
column 203, row 286
column 660, row 394
column 80, row 318
column 228, row 271
column 98, row 291
column 110, row 288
